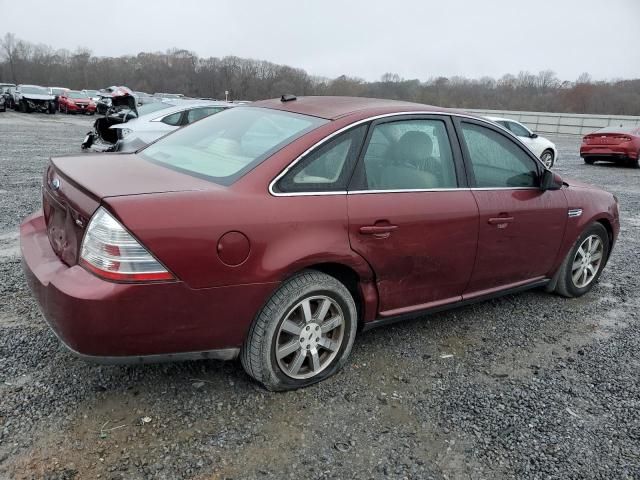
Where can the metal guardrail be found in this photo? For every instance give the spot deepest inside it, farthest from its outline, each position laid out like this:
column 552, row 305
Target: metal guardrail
column 562, row 123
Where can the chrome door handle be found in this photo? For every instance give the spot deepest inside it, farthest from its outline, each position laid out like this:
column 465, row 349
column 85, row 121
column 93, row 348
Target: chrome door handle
column 500, row 220
column 377, row 229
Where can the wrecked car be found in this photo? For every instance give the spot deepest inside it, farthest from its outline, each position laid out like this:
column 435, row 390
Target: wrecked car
column 33, row 98
column 117, row 105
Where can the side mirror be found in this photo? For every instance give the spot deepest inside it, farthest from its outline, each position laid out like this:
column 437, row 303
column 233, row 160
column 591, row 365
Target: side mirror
column 550, row 181
column 533, row 135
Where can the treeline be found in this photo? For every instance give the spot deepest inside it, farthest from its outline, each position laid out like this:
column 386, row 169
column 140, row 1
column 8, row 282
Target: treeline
column 182, row 71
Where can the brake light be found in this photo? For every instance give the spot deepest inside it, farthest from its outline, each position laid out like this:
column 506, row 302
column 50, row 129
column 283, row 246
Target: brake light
column 111, row 252
column 623, row 138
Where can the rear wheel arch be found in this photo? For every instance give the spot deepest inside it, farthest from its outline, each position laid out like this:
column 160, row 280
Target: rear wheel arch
column 348, row 277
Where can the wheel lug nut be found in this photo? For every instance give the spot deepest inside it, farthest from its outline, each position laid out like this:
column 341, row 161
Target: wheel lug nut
column 308, row 327
column 308, row 347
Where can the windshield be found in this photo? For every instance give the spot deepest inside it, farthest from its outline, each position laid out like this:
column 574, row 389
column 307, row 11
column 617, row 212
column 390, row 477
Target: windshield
column 76, row 94
column 93, row 93
column 152, row 107
column 225, row 146
column 35, row 90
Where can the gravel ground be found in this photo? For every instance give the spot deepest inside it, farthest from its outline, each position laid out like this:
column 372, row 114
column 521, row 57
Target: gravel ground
column 526, row 386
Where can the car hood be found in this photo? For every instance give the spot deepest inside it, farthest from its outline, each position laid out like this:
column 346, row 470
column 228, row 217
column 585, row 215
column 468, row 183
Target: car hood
column 113, row 174
column 37, row 96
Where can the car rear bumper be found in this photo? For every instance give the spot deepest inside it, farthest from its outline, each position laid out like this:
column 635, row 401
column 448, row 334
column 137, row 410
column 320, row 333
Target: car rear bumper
column 608, row 152
column 127, row 323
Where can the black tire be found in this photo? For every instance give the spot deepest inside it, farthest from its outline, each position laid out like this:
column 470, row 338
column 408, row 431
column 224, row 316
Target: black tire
column 589, row 161
column 632, row 162
column 23, row 107
column 258, row 353
column 566, row 286
column 553, row 158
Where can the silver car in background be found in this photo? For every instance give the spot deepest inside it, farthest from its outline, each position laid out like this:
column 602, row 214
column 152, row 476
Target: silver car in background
column 166, row 117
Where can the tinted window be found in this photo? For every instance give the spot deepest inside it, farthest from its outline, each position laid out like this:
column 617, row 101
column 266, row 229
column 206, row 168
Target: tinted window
column 409, row 154
column 518, row 129
column 496, row 160
column 173, row 119
column 326, row 169
column 223, row 147
column 200, row 113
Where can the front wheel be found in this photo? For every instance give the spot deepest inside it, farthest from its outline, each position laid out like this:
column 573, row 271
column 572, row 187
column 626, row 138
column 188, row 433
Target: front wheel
column 547, row 158
column 584, row 262
column 303, row 335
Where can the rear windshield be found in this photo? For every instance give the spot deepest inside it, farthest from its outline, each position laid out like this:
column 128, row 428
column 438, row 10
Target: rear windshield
column 225, row 146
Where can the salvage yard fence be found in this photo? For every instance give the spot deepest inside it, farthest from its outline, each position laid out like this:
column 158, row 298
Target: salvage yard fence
column 563, row 123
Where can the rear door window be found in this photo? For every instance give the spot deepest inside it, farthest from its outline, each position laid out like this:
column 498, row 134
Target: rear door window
column 327, row 169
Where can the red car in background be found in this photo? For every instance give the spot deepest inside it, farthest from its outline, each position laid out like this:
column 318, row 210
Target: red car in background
column 276, row 231
column 612, row 144
column 75, row 101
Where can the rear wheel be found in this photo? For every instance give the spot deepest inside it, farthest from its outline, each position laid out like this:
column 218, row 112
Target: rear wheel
column 547, row 158
column 589, row 161
column 303, row 335
column 584, row 262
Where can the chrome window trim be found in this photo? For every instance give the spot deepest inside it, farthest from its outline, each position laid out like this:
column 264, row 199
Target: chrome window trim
column 377, row 117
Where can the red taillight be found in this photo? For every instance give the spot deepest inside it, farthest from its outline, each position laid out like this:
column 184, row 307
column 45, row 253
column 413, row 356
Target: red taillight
column 623, row 138
column 111, row 252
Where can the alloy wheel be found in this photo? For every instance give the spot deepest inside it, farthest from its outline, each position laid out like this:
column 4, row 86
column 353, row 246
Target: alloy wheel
column 547, row 159
column 310, row 337
column 586, row 261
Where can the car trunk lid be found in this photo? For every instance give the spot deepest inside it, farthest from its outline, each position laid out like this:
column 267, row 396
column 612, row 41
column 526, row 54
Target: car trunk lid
column 73, row 188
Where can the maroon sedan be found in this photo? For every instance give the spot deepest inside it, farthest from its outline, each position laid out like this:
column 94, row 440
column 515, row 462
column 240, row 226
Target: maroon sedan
column 277, row 230
column 612, row 144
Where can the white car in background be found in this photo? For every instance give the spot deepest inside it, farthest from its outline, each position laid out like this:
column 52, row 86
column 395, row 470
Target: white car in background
column 162, row 118
column 542, row 147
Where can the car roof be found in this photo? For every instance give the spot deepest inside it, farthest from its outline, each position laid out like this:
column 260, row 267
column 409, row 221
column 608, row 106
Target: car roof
column 332, row 108
column 179, row 105
column 501, row 119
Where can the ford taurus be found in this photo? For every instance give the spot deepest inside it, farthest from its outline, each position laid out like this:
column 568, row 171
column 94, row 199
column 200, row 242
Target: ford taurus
column 277, row 231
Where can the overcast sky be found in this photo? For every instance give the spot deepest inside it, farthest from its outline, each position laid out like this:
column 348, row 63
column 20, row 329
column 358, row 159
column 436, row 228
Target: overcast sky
column 414, row 38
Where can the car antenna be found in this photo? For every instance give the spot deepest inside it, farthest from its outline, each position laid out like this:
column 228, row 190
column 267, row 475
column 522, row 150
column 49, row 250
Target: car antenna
column 287, row 97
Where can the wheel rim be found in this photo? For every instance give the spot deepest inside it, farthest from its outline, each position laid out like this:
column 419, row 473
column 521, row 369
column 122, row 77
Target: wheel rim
column 586, row 261
column 547, row 159
column 310, row 337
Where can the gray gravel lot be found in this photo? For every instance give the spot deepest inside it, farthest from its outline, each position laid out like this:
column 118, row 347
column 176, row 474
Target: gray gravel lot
column 526, row 386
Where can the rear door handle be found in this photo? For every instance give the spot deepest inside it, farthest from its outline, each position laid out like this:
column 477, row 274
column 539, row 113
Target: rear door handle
column 380, row 231
column 500, row 220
